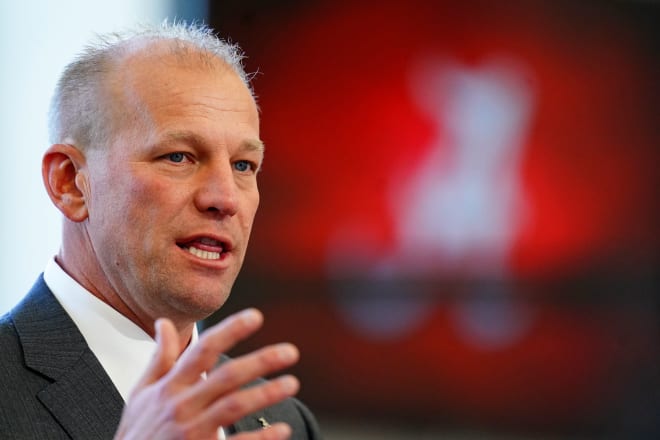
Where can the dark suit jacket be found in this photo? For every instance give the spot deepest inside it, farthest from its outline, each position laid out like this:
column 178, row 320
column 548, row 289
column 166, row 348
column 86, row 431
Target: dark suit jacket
column 53, row 387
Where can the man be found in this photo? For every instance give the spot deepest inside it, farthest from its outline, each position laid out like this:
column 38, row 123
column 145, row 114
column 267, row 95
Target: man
column 153, row 164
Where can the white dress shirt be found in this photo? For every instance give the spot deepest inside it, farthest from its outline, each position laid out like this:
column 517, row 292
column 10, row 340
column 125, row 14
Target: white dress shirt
column 121, row 346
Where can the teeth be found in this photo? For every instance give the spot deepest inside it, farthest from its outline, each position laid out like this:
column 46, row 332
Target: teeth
column 206, row 255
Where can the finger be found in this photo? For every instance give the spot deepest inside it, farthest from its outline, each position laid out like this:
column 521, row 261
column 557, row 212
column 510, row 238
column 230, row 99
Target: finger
column 277, row 431
column 237, row 372
column 235, row 406
column 167, row 352
column 213, row 342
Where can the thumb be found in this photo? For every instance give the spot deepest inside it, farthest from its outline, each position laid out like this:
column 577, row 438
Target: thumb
column 166, row 354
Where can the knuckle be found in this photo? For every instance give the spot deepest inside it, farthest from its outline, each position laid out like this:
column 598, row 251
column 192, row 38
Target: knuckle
column 227, row 373
column 174, row 410
column 164, row 391
column 271, row 391
column 205, row 348
column 234, row 406
column 271, row 358
column 189, row 431
column 161, row 392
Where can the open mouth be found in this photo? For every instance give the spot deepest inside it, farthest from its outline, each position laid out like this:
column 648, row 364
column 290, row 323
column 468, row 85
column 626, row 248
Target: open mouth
column 205, row 248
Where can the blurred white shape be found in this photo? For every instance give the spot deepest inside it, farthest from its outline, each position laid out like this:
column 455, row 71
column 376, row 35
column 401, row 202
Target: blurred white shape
column 463, row 205
column 368, row 293
column 457, row 214
column 37, row 39
column 490, row 320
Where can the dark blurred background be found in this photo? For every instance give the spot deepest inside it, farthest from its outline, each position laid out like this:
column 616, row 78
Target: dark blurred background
column 458, row 224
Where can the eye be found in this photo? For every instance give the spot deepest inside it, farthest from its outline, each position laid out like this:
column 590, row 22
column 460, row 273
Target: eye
column 243, row 166
column 177, row 157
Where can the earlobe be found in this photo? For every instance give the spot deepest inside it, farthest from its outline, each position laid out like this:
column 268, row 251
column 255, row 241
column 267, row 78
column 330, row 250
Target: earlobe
column 62, row 169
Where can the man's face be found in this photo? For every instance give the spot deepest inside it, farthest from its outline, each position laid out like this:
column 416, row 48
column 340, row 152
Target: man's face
column 172, row 199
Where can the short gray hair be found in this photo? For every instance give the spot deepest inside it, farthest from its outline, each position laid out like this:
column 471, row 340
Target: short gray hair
column 79, row 113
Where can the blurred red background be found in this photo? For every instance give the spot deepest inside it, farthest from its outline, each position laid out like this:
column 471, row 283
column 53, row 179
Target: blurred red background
column 458, row 219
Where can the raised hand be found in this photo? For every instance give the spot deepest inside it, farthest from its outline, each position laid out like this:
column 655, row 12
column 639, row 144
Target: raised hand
column 172, row 400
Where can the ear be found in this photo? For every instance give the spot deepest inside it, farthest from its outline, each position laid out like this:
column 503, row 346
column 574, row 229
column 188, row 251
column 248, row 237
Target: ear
column 63, row 172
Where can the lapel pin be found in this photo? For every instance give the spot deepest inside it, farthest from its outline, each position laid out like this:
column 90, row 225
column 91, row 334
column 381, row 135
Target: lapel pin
column 264, row 423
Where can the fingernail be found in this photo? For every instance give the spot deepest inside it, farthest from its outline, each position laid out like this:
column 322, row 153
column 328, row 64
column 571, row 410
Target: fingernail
column 289, row 384
column 250, row 316
column 282, row 429
column 287, row 352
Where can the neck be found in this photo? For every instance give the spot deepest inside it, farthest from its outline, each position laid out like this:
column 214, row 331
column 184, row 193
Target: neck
column 147, row 324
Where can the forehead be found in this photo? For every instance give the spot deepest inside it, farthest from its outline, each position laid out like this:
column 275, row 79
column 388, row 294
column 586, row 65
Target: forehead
column 156, row 80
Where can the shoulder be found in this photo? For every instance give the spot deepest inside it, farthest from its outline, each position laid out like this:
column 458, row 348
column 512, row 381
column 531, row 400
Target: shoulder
column 18, row 381
column 8, row 341
column 14, row 371
column 10, row 346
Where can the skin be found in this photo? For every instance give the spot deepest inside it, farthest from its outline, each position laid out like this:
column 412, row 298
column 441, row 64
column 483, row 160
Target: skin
column 180, row 172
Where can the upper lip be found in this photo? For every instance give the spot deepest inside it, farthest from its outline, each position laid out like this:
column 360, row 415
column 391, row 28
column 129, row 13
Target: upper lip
column 223, row 240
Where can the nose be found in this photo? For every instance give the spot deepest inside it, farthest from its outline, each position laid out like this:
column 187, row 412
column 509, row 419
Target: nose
column 217, row 192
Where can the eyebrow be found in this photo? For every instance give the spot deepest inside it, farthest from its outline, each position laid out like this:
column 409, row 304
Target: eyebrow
column 194, row 139
column 254, row 145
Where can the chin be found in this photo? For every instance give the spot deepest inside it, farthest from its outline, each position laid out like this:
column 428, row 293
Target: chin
column 199, row 305
column 210, row 303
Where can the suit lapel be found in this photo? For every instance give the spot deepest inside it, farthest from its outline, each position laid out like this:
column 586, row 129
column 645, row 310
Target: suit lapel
column 81, row 397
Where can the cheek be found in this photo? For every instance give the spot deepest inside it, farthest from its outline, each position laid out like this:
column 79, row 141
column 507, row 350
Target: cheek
column 127, row 202
column 155, row 212
column 250, row 209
